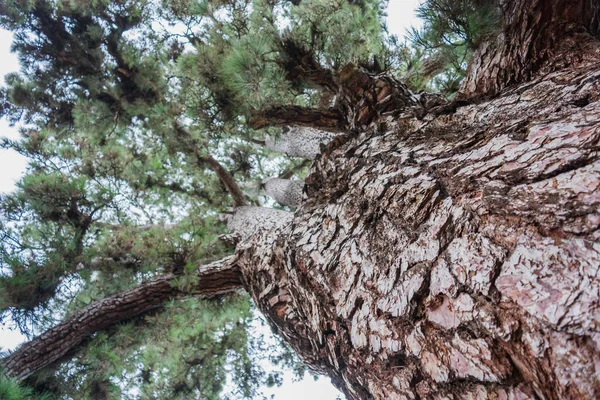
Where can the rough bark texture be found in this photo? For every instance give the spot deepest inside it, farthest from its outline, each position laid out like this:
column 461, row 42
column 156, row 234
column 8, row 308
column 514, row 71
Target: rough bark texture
column 287, row 192
column 444, row 252
column 214, row 279
column 452, row 256
column 328, row 120
column 248, row 220
column 537, row 35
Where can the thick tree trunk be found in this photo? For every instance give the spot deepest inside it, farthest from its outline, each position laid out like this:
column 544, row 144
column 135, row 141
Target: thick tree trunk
column 537, row 35
column 450, row 257
column 215, row 279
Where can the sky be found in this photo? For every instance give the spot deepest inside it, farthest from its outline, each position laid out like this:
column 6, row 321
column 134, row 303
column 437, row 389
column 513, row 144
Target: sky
column 401, row 16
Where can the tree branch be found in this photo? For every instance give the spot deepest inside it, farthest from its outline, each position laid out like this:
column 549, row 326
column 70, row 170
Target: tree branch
column 239, row 199
column 217, row 278
column 328, row 120
column 191, row 145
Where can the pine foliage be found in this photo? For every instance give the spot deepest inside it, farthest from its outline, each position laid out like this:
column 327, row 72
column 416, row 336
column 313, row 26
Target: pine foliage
column 441, row 50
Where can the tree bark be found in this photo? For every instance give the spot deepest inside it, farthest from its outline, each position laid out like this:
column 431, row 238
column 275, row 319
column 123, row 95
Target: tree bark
column 327, row 120
column 451, row 256
column 215, row 279
column 537, row 36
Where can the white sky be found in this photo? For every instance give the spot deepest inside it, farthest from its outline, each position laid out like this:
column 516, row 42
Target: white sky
column 12, row 166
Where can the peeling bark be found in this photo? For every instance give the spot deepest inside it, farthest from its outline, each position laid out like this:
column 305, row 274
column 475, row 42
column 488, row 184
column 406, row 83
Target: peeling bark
column 214, row 279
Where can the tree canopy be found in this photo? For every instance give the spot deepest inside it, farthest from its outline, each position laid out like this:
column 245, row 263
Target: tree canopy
column 144, row 122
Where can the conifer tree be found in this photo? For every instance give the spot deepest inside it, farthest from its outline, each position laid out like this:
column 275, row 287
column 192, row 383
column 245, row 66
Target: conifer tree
column 438, row 248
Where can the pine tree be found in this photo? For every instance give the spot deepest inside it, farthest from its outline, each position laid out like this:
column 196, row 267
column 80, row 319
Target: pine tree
column 441, row 50
column 441, row 249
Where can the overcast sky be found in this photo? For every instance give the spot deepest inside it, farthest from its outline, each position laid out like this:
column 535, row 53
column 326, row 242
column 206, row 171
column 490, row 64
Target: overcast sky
column 400, row 17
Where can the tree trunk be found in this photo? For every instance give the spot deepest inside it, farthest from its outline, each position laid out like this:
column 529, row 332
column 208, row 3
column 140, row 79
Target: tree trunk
column 455, row 256
column 537, row 35
column 450, row 256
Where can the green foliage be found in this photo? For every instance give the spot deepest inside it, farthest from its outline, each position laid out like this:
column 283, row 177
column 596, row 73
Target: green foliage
column 442, row 48
column 120, row 104
column 10, row 389
column 339, row 32
column 193, row 349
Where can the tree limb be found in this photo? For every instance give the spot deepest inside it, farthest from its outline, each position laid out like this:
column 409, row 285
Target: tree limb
column 217, row 278
column 191, row 145
column 328, row 120
column 239, row 199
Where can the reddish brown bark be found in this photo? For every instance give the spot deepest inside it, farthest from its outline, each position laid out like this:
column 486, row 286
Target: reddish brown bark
column 537, row 36
column 215, row 279
column 452, row 256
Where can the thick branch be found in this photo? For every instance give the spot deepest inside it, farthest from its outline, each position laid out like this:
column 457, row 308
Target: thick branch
column 215, row 279
column 328, row 120
column 287, row 192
